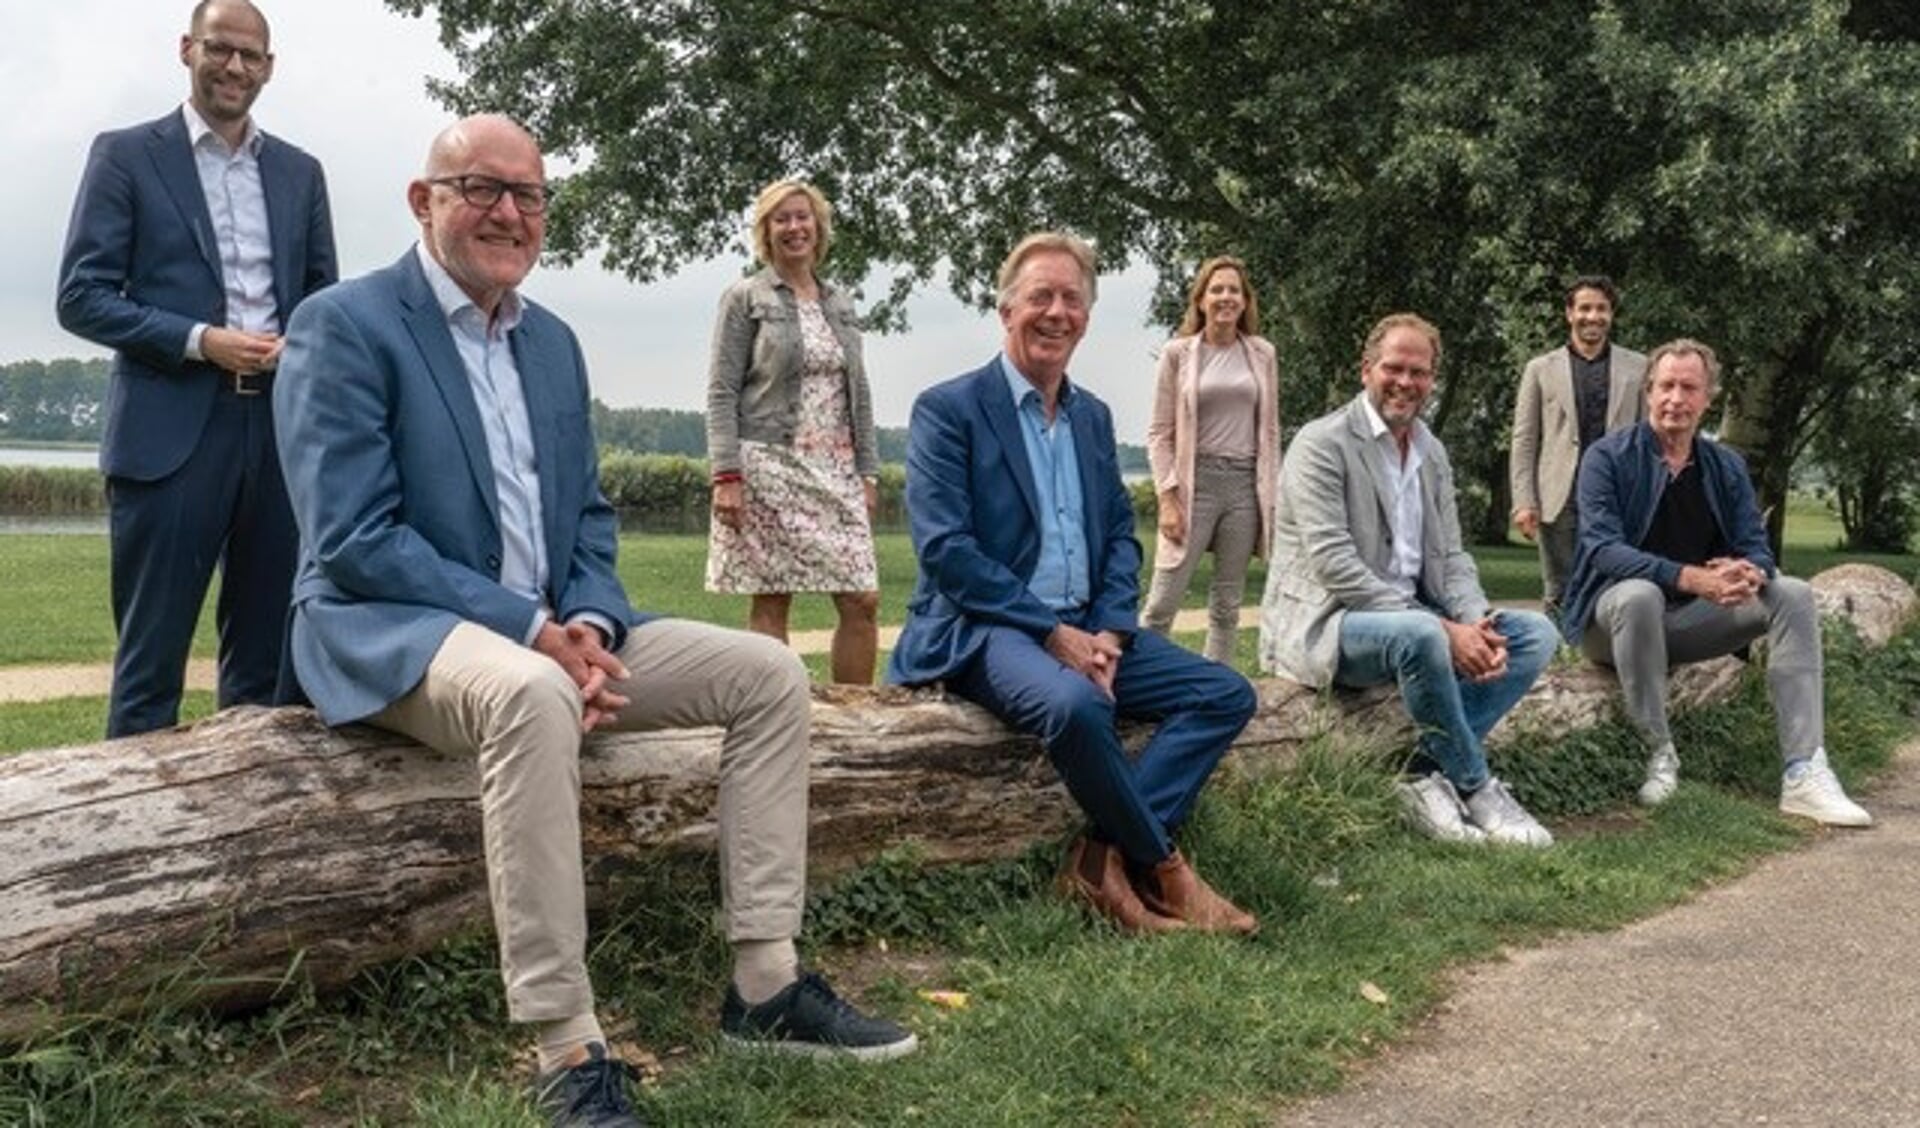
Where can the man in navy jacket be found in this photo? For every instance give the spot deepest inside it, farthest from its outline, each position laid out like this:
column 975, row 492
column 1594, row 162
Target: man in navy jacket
column 193, row 239
column 1029, row 585
column 1673, row 567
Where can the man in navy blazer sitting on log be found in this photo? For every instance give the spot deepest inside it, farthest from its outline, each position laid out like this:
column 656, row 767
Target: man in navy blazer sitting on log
column 457, row 585
column 1027, row 597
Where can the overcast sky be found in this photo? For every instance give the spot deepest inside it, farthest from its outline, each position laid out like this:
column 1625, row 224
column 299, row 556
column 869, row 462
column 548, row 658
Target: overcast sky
column 349, row 87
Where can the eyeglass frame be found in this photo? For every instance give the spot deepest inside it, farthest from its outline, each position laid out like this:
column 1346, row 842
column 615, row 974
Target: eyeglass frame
column 467, row 183
column 221, row 53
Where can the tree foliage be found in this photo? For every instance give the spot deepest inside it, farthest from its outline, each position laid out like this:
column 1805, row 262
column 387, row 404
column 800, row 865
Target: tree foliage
column 1747, row 168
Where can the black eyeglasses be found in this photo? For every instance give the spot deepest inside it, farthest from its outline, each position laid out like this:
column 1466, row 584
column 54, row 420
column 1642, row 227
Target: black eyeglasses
column 484, row 192
column 220, row 54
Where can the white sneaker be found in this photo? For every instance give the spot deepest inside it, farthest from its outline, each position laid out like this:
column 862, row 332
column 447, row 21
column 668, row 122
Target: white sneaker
column 1432, row 807
column 1501, row 817
column 1812, row 791
column 1663, row 775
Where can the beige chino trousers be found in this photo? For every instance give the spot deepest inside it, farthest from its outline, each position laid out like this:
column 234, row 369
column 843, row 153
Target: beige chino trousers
column 519, row 713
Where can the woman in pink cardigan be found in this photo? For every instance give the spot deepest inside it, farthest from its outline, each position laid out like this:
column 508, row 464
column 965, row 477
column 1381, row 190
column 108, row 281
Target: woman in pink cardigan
column 1214, row 442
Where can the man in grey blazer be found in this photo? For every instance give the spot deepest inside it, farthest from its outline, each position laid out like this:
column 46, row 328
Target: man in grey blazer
column 1370, row 584
column 457, row 585
column 1568, row 398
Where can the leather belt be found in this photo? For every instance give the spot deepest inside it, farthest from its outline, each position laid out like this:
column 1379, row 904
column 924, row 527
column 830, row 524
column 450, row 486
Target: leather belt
column 253, row 384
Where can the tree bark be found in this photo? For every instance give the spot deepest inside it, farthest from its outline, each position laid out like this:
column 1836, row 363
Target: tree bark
column 215, row 864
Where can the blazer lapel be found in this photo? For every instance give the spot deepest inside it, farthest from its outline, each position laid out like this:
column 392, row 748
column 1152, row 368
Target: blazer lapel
column 172, row 153
column 274, row 184
column 1559, row 383
column 997, row 406
column 1622, row 407
column 427, row 324
column 531, row 350
column 1093, row 489
column 1376, row 459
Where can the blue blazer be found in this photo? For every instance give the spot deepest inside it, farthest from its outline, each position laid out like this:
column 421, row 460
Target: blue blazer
column 386, row 463
column 974, row 513
column 1621, row 479
column 141, row 268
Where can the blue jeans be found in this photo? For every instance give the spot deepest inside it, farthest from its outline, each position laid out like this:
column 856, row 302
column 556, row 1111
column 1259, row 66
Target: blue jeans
column 1135, row 803
column 1453, row 714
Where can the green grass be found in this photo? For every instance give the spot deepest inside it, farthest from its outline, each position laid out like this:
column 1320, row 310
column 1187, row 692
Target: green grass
column 54, row 602
column 1067, row 1023
column 65, row 721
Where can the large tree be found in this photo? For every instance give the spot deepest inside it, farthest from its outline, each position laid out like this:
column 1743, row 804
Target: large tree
column 1743, row 165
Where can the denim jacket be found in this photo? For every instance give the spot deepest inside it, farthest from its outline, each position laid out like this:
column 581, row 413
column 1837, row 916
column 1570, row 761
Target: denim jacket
column 753, row 383
column 1621, row 479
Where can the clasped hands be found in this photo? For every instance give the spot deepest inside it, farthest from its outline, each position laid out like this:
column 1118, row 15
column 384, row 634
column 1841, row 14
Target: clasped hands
column 1725, row 580
column 1095, row 655
column 578, row 648
column 240, row 352
column 1479, row 649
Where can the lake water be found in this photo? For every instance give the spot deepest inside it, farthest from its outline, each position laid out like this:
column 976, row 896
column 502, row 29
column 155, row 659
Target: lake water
column 84, row 457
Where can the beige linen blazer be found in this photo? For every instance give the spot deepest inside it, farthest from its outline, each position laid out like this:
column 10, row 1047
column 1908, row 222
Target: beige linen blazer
column 1333, row 545
column 1546, row 425
column 1175, row 422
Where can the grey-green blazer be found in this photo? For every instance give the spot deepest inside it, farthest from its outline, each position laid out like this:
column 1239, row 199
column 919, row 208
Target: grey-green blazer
column 1333, row 545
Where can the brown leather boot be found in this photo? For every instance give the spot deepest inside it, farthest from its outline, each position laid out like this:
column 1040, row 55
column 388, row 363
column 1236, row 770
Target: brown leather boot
column 1096, row 875
column 1173, row 889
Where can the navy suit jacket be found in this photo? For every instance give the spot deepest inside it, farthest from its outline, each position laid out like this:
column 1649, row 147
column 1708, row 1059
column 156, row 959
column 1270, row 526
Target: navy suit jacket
column 386, row 462
column 1621, row 479
column 975, row 517
column 141, row 268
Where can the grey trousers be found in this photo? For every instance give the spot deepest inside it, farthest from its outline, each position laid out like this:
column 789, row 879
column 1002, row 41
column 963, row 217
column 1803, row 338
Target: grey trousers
column 515, row 709
column 1557, row 540
column 1634, row 631
column 1223, row 517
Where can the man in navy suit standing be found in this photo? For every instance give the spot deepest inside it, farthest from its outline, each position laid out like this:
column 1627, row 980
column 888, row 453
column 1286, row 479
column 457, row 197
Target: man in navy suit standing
column 193, row 238
column 1028, row 595
column 457, row 585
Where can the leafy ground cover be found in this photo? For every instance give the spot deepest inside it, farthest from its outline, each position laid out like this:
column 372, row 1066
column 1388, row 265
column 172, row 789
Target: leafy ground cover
column 1065, row 1022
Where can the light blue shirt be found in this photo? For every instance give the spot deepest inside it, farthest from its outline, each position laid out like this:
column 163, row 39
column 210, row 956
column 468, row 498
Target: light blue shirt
column 237, row 204
column 1060, row 578
column 487, row 355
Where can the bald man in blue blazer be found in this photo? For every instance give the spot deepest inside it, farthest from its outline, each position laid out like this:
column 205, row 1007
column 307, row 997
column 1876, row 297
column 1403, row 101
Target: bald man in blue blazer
column 457, row 585
column 193, row 239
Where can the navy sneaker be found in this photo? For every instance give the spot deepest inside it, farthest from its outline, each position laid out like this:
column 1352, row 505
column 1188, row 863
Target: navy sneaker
column 592, row 1094
column 808, row 1018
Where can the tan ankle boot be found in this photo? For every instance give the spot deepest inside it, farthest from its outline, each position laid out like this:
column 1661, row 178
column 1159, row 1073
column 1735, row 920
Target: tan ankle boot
column 1096, row 875
column 1173, row 889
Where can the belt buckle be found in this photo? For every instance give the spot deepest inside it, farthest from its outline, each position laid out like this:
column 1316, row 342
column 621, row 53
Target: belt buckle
column 241, row 387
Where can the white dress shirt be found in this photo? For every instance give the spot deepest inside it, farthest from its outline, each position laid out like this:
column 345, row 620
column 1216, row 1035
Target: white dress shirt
column 1405, row 518
column 237, row 204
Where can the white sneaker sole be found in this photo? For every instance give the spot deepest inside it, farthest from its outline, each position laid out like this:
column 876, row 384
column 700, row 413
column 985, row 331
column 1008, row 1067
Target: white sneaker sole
column 1825, row 817
column 885, row 1052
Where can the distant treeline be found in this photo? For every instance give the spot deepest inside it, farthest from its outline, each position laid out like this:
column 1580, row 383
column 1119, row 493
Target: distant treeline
column 659, row 430
column 64, row 401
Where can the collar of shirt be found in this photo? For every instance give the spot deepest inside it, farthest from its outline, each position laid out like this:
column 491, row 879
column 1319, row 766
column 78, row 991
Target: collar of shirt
column 198, row 132
column 458, row 307
column 1378, row 427
column 1019, row 387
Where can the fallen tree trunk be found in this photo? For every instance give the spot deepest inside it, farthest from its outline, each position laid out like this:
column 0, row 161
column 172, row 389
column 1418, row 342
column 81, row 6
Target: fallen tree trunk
column 205, row 861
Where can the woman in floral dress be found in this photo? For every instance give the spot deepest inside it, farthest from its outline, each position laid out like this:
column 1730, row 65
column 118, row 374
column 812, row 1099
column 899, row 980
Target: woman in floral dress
column 790, row 436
